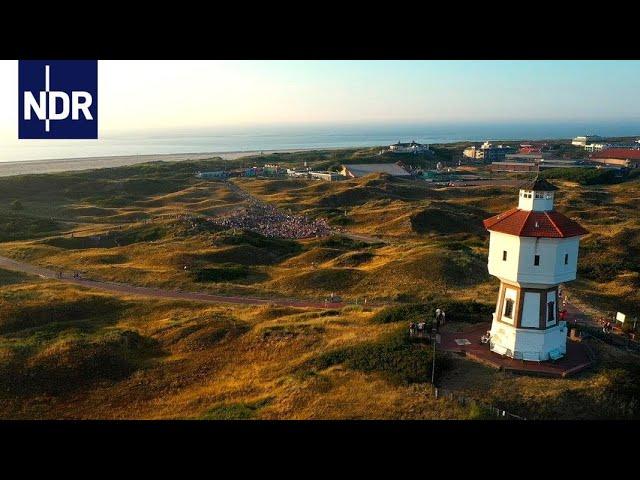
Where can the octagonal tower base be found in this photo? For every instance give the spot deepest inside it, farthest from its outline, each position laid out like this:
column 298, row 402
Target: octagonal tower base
column 525, row 325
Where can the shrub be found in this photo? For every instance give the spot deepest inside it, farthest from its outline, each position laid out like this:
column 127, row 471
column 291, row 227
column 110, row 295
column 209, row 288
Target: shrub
column 226, row 273
column 15, row 317
column 343, row 243
column 16, row 205
column 16, row 226
column 584, row 176
column 235, row 411
column 469, row 311
column 416, row 312
column 76, row 362
column 395, row 356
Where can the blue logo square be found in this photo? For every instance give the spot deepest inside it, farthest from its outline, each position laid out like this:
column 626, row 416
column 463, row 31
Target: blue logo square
column 58, row 99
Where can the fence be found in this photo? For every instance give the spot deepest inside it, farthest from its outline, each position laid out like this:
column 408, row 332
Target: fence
column 466, row 401
column 610, row 338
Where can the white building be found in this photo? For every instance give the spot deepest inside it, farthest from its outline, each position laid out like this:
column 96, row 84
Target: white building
column 412, row 147
column 532, row 249
column 326, row 176
column 585, row 139
column 364, row 169
column 596, row 147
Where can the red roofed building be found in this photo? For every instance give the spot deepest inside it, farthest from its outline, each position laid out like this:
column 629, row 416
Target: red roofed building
column 532, row 249
column 525, row 223
column 528, row 148
column 622, row 157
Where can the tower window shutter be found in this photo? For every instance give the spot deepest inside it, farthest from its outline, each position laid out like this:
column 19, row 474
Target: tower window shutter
column 508, row 308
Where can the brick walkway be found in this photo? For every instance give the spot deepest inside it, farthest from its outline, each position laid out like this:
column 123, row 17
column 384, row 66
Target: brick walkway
column 576, row 359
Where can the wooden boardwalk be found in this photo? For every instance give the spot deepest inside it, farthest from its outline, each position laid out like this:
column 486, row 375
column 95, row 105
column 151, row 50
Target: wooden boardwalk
column 576, row 360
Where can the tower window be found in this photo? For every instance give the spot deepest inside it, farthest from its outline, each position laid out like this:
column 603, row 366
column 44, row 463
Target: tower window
column 504, row 255
column 508, row 308
column 566, row 258
column 551, row 317
column 536, row 260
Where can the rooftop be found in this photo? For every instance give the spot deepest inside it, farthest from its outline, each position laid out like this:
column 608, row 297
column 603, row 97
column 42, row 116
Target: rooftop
column 539, row 185
column 621, row 153
column 362, row 169
column 525, row 223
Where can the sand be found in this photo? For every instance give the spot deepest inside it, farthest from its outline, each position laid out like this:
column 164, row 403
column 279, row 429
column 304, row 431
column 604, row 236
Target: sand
column 88, row 163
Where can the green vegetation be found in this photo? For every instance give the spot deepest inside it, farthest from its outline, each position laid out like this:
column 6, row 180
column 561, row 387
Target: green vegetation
column 235, row 411
column 395, row 356
column 584, row 176
column 74, row 362
column 15, row 226
column 456, row 311
column 66, row 352
column 227, row 273
column 8, row 277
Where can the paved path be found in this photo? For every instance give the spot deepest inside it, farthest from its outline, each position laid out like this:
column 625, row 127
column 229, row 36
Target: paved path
column 10, row 264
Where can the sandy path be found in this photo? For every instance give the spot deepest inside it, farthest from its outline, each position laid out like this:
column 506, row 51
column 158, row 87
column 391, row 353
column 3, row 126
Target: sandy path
column 10, row 264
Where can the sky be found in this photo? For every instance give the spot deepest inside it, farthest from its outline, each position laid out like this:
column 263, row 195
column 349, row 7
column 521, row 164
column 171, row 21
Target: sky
column 211, row 106
column 141, row 95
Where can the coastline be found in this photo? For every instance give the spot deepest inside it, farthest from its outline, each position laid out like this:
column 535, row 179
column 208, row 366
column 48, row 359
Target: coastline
column 56, row 165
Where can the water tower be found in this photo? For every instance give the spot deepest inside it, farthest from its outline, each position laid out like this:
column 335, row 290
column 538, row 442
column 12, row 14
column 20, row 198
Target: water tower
column 532, row 249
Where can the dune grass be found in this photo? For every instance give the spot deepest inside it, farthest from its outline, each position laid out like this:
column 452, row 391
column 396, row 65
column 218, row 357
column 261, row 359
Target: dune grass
column 130, row 358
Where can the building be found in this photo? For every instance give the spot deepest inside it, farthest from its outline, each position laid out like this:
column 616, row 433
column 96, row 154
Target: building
column 412, row 147
column 585, row 139
column 298, row 172
column 523, row 157
column 562, row 163
column 271, row 169
column 215, row 174
column 527, row 149
column 364, row 169
column 326, row 176
column 596, row 147
column 497, row 154
column 537, row 165
column 513, row 167
column 488, row 152
column 621, row 157
column 532, row 249
column 473, row 153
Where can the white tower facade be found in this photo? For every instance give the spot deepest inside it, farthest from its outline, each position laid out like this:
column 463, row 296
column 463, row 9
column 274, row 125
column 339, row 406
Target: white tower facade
column 532, row 249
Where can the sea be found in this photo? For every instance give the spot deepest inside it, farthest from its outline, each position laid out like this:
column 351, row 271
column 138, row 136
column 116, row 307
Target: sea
column 297, row 137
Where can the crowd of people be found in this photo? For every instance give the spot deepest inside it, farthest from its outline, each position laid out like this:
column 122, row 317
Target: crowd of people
column 421, row 328
column 267, row 220
column 256, row 216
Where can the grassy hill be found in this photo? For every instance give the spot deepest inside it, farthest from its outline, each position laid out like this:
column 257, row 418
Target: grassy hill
column 68, row 352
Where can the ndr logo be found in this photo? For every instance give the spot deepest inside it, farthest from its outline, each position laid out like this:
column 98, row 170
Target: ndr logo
column 58, row 99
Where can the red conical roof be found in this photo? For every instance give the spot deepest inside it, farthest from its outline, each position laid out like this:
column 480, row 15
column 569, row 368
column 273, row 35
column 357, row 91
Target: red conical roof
column 528, row 223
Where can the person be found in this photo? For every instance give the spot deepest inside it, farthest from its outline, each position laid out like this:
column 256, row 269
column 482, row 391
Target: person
column 442, row 317
column 412, row 328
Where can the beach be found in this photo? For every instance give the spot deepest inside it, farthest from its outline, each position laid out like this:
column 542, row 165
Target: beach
column 88, row 163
